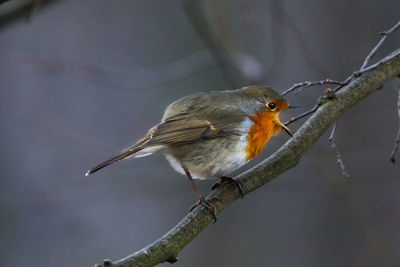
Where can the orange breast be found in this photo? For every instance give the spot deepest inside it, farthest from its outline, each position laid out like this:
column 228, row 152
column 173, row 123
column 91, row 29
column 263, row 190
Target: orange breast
column 263, row 128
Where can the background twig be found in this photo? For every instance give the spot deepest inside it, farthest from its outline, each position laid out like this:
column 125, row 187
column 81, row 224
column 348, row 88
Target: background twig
column 233, row 63
column 303, row 85
column 397, row 140
column 16, row 9
column 302, row 115
column 339, row 160
column 380, row 43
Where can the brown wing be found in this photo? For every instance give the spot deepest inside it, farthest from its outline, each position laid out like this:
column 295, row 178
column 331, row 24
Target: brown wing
column 190, row 127
column 185, row 128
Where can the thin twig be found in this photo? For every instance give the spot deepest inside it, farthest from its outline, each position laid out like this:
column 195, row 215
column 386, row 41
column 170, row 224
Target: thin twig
column 303, row 85
column 397, row 140
column 358, row 73
column 339, row 160
column 347, row 81
column 395, row 147
column 302, row 115
column 384, row 34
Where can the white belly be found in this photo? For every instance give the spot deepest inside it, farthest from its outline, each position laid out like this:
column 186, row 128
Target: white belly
column 216, row 165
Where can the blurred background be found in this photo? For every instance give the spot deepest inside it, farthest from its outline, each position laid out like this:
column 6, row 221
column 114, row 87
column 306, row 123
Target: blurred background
column 82, row 80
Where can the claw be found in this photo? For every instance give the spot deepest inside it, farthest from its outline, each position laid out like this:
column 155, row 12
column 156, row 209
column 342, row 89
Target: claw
column 231, row 181
column 215, row 186
column 208, row 205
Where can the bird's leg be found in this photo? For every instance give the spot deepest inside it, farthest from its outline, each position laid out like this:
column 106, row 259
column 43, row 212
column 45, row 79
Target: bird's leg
column 229, row 180
column 202, row 200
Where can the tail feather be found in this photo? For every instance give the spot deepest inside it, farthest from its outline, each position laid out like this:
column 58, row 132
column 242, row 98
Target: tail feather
column 123, row 155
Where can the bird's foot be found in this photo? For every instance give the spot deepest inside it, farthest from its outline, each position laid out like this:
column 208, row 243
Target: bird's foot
column 208, row 205
column 231, row 181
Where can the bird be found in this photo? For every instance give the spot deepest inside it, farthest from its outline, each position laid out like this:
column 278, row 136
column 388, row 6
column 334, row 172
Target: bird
column 209, row 135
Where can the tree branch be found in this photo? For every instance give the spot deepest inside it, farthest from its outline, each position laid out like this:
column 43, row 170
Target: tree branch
column 13, row 10
column 168, row 246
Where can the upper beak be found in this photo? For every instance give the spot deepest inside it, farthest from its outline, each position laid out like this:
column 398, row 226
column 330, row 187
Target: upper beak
column 294, row 106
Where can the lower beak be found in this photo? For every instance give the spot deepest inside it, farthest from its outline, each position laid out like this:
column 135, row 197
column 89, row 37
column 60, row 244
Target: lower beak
column 286, row 130
column 284, row 127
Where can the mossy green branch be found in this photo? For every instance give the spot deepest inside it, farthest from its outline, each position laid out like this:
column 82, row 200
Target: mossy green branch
column 168, row 247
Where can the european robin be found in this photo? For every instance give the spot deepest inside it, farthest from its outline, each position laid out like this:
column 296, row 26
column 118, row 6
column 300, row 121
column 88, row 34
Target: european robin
column 209, row 135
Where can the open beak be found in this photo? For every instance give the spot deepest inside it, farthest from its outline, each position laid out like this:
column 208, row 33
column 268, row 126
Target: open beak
column 284, row 127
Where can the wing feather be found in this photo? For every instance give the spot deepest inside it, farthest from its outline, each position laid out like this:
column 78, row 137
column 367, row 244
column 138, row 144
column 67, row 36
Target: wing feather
column 191, row 127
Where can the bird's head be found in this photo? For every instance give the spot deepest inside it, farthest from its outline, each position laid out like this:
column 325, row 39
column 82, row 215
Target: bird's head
column 265, row 101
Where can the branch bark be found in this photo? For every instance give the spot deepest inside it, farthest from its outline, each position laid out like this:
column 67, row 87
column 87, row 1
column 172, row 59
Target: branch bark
column 168, row 246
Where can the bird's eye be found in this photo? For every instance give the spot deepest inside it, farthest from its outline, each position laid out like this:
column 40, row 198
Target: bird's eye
column 271, row 106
